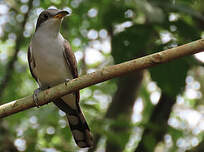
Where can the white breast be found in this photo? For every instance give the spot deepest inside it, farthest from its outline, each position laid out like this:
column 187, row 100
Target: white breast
column 51, row 67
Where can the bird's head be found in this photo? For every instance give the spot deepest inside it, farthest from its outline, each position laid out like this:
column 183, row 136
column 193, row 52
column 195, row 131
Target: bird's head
column 50, row 20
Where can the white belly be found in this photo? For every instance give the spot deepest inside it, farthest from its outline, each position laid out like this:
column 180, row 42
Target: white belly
column 51, row 67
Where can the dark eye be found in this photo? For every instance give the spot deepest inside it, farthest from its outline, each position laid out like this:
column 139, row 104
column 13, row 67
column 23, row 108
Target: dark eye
column 45, row 16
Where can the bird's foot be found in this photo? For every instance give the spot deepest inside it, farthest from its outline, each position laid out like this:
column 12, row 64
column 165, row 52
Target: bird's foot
column 35, row 97
column 66, row 81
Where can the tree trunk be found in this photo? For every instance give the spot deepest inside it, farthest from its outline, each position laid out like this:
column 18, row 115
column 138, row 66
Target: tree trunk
column 155, row 132
column 121, row 109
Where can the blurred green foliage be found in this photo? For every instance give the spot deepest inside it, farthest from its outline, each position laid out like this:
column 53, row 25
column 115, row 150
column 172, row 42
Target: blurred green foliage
column 103, row 33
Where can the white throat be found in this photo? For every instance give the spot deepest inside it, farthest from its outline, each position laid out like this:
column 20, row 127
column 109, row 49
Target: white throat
column 50, row 27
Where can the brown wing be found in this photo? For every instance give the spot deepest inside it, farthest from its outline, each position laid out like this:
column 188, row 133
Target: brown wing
column 31, row 63
column 72, row 63
column 70, row 59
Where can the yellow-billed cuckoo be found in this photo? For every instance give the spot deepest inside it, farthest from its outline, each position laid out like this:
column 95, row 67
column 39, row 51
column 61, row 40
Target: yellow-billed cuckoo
column 51, row 62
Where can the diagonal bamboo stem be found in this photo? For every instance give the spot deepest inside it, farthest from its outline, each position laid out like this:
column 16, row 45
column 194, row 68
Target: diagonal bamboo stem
column 104, row 74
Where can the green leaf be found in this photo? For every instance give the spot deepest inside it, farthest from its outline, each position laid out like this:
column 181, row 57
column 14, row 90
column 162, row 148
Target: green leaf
column 170, row 77
column 130, row 43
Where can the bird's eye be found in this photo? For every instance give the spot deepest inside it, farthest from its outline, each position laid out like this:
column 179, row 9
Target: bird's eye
column 45, row 16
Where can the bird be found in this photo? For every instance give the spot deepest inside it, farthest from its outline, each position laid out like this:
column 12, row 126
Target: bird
column 51, row 61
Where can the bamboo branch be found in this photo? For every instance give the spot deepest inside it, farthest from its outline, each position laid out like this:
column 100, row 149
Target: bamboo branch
column 104, row 74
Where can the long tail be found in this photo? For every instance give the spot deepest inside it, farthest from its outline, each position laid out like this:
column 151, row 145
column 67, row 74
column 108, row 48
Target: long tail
column 77, row 122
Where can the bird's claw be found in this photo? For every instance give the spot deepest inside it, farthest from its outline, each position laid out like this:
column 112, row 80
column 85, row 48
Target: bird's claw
column 35, row 97
column 66, row 81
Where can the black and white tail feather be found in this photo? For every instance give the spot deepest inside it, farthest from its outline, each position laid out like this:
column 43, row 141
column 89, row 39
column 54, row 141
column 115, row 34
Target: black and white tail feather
column 77, row 123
